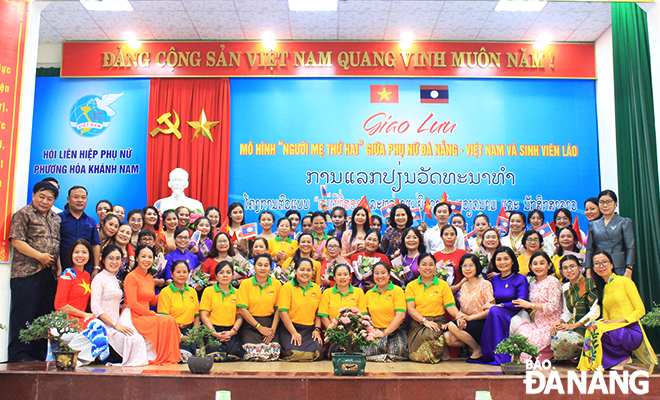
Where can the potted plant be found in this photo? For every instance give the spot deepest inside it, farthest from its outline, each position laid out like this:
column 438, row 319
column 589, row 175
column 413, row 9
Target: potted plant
column 651, row 323
column 200, row 336
column 514, row 346
column 52, row 327
column 350, row 331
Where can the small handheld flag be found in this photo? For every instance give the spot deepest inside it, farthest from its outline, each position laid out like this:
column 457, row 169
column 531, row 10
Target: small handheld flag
column 469, row 236
column 364, row 203
column 247, row 231
column 396, row 201
column 224, row 227
column 576, row 227
column 427, row 208
column 443, row 199
column 503, row 221
column 387, row 210
column 324, row 192
column 545, row 230
column 455, row 206
column 416, row 214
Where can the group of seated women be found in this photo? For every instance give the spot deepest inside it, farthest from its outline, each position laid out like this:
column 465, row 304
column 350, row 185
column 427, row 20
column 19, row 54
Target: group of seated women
column 273, row 296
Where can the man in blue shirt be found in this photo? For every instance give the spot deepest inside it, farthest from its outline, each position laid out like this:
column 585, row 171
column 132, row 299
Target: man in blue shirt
column 78, row 225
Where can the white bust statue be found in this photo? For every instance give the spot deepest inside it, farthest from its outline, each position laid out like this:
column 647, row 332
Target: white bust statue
column 178, row 183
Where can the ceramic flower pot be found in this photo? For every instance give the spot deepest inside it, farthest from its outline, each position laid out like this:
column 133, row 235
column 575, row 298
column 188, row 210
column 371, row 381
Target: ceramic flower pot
column 200, row 365
column 513, row 369
column 349, row 364
column 66, row 360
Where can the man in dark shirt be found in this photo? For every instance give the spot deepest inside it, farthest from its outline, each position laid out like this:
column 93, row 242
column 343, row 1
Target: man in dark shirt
column 35, row 236
column 78, row 225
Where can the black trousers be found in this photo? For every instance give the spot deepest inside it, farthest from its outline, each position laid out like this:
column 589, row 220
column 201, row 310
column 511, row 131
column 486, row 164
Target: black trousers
column 31, row 297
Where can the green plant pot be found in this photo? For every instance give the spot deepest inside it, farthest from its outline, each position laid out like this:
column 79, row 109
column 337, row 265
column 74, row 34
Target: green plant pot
column 66, row 360
column 200, row 365
column 513, row 369
column 349, row 364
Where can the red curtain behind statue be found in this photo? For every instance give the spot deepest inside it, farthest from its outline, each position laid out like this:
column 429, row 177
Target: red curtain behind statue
column 207, row 162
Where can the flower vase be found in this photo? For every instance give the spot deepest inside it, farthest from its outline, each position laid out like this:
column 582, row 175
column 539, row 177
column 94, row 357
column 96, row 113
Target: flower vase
column 66, row 360
column 349, row 364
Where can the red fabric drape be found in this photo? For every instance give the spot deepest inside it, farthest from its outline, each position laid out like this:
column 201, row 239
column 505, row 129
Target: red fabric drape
column 207, row 162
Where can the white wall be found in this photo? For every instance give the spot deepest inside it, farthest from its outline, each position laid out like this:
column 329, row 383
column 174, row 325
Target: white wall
column 23, row 152
column 605, row 111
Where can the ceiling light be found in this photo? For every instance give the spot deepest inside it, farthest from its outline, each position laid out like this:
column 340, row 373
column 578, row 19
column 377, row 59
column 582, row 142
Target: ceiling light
column 269, row 41
column 312, row 5
column 520, row 5
column 406, row 40
column 132, row 41
column 107, row 5
column 543, row 40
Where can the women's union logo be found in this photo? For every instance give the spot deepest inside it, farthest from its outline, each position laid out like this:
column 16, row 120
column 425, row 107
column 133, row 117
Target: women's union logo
column 90, row 115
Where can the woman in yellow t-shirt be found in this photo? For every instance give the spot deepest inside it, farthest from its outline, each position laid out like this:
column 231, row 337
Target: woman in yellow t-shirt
column 257, row 303
column 298, row 304
column 218, row 313
column 427, row 299
column 386, row 304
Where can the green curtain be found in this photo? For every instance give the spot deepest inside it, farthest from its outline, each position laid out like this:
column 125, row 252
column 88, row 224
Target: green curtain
column 639, row 195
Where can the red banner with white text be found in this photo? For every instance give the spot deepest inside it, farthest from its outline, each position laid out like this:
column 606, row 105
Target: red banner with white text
column 314, row 59
column 13, row 21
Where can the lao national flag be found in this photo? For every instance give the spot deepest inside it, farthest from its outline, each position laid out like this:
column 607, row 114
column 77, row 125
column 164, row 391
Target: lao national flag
column 455, row 206
column 502, row 220
column 545, row 230
column 387, row 210
column 416, row 214
column 427, row 208
column 469, row 236
column 384, row 93
column 434, row 94
column 324, row 192
column 248, row 231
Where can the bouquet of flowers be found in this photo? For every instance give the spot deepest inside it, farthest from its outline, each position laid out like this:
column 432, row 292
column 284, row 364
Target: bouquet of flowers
column 199, row 277
column 158, row 267
column 483, row 258
column 363, row 269
column 242, row 268
column 194, row 216
column 441, row 270
column 351, row 330
column 398, row 273
column 282, row 275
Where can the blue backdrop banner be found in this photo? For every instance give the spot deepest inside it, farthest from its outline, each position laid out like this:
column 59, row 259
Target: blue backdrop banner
column 521, row 143
column 93, row 133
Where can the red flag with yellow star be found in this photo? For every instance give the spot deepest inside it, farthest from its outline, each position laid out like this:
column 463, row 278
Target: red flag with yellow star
column 384, row 93
column 396, row 201
column 427, row 208
column 364, row 203
column 444, row 197
column 224, row 227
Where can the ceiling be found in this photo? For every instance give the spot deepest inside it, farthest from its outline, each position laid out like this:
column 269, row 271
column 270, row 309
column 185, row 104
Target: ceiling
column 354, row 20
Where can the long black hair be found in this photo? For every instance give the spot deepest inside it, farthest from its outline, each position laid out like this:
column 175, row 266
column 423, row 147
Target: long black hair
column 366, row 226
column 598, row 280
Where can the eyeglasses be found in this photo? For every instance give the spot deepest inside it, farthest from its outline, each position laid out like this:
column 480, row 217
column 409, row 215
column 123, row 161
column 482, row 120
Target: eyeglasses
column 569, row 268
column 332, row 246
column 601, row 264
column 532, row 240
column 605, row 202
column 182, row 238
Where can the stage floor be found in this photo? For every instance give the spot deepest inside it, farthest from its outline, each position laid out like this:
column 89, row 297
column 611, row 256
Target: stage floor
column 453, row 379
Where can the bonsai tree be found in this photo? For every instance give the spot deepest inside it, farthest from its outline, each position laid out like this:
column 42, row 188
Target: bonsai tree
column 652, row 318
column 200, row 337
column 351, row 330
column 514, row 346
column 51, row 326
